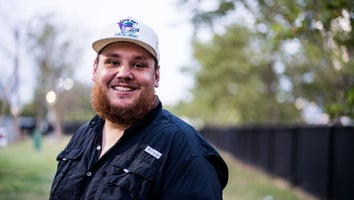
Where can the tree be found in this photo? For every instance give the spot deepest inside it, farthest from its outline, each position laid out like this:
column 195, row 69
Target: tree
column 9, row 86
column 312, row 41
column 78, row 109
column 55, row 56
column 236, row 84
column 75, row 103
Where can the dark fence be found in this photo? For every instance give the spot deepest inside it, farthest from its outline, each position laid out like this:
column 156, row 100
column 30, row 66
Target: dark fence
column 318, row 159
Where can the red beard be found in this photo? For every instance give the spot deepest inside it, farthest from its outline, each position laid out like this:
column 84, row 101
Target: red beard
column 121, row 115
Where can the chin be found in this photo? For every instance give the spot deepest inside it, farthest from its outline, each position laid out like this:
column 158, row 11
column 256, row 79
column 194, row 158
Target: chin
column 123, row 103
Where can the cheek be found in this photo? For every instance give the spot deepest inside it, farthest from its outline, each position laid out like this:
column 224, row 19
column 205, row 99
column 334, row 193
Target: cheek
column 150, row 81
column 102, row 75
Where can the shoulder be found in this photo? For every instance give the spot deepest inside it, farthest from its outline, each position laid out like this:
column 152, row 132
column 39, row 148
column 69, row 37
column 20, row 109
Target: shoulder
column 175, row 123
column 182, row 134
column 189, row 146
column 171, row 127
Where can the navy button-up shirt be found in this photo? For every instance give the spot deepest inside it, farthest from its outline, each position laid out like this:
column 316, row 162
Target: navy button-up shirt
column 159, row 157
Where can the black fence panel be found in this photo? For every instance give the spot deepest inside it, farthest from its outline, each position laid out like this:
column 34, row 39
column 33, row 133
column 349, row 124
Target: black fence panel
column 342, row 178
column 265, row 150
column 318, row 159
column 312, row 160
column 282, row 152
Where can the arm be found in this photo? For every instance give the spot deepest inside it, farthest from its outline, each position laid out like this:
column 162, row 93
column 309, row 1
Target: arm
column 195, row 179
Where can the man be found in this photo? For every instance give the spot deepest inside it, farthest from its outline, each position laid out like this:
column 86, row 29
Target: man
column 133, row 148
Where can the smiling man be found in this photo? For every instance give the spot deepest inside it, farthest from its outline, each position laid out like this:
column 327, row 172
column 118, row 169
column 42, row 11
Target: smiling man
column 133, row 148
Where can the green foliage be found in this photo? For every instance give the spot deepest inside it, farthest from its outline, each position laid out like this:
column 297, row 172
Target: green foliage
column 236, row 84
column 4, row 107
column 335, row 110
column 29, row 110
column 239, row 70
column 77, row 103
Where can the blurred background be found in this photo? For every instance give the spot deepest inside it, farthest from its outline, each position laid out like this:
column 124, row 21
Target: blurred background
column 269, row 82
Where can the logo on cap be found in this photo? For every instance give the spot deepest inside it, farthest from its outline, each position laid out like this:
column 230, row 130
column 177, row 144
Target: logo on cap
column 128, row 27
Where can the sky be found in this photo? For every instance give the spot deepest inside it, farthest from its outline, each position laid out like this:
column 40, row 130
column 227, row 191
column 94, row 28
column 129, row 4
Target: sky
column 90, row 17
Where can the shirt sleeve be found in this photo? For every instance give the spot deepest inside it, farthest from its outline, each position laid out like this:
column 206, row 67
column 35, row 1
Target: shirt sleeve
column 196, row 179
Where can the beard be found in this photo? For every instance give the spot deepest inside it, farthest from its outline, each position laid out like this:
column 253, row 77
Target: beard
column 126, row 115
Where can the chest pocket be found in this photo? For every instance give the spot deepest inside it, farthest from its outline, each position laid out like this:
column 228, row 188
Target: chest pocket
column 131, row 176
column 67, row 162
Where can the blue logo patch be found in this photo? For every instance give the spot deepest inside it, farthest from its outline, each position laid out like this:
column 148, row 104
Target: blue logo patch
column 129, row 28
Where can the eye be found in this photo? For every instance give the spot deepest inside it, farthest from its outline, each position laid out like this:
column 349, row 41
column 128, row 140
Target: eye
column 139, row 65
column 113, row 63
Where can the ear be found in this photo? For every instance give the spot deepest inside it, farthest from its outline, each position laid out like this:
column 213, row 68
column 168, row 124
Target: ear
column 94, row 70
column 157, row 77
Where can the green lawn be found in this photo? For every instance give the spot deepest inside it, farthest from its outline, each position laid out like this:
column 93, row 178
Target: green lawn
column 248, row 183
column 26, row 174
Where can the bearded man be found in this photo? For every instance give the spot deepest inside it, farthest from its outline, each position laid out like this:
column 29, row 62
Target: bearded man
column 133, row 148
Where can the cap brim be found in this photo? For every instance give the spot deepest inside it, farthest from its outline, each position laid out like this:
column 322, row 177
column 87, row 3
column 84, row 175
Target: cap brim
column 101, row 44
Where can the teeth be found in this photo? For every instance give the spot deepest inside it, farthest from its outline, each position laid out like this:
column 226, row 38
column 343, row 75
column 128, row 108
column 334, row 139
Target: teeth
column 123, row 89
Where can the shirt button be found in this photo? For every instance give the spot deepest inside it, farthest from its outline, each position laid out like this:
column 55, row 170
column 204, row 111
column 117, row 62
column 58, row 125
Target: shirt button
column 88, row 174
column 98, row 147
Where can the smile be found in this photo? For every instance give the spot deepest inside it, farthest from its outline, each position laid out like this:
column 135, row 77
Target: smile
column 123, row 89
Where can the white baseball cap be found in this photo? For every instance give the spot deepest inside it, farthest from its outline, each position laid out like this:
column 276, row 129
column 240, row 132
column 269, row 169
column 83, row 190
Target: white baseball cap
column 129, row 30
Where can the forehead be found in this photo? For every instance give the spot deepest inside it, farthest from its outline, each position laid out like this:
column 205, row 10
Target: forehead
column 126, row 47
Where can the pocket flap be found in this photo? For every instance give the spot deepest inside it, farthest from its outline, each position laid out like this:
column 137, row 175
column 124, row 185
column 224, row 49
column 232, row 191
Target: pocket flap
column 70, row 154
column 141, row 164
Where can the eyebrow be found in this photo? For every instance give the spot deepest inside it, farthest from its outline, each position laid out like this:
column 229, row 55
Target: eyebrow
column 115, row 55
column 111, row 55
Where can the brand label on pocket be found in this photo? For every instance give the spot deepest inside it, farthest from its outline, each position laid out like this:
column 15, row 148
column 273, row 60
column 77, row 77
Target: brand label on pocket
column 153, row 152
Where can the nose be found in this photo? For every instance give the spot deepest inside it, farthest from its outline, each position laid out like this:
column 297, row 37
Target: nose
column 124, row 72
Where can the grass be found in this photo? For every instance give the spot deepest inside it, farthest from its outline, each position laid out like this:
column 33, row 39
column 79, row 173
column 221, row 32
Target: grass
column 26, row 174
column 248, row 183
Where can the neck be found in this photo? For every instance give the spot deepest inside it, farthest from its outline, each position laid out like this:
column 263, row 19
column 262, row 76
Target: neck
column 111, row 133
column 114, row 127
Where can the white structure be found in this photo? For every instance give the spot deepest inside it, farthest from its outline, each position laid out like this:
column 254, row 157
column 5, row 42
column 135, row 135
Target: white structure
column 3, row 137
